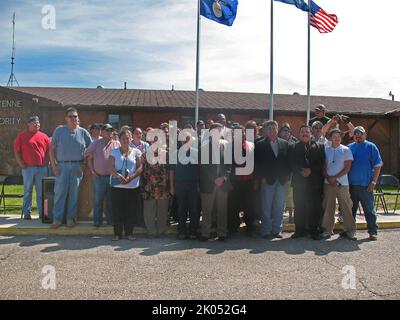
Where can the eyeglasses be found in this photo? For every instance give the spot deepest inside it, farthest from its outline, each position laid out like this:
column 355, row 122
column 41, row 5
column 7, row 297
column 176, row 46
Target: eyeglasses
column 358, row 133
column 318, row 128
column 73, row 116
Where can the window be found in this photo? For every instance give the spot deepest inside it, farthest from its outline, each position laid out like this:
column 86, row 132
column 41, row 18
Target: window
column 119, row 120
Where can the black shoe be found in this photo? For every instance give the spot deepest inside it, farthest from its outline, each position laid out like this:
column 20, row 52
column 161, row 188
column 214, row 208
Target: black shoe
column 203, row 239
column 343, row 234
column 297, row 235
column 27, row 217
column 221, row 239
column 250, row 234
column 193, row 236
column 268, row 237
column 182, row 236
column 278, row 236
column 373, row 237
column 316, row 237
column 325, row 235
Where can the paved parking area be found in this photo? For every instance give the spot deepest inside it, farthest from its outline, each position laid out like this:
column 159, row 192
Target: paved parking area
column 82, row 267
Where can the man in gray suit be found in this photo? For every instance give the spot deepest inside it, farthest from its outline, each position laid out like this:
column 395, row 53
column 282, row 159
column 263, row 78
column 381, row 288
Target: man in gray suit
column 214, row 183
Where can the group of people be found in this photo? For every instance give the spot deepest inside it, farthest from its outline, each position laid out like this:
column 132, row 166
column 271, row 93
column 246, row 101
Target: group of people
column 304, row 175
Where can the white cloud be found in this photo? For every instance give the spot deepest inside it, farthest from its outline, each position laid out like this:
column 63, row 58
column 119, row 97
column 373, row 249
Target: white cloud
column 152, row 45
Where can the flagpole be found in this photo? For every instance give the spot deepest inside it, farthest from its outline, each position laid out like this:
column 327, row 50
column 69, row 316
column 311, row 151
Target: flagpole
column 271, row 72
column 196, row 114
column 308, row 65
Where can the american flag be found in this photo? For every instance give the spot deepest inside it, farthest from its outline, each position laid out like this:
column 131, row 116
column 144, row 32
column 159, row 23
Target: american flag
column 322, row 21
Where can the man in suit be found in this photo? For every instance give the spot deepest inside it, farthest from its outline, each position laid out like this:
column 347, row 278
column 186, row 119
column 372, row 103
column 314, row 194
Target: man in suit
column 307, row 160
column 272, row 172
column 214, row 183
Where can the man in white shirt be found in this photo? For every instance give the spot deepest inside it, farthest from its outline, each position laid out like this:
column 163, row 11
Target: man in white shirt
column 337, row 165
column 226, row 133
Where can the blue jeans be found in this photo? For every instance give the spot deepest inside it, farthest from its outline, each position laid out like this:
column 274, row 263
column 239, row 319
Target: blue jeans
column 33, row 176
column 272, row 207
column 361, row 194
column 66, row 191
column 101, row 191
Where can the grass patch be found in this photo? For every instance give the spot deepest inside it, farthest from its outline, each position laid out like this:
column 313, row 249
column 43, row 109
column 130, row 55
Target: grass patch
column 17, row 203
column 14, row 205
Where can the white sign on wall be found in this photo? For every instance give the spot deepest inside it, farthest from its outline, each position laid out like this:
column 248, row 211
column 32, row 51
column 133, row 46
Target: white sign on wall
column 9, row 121
column 10, row 104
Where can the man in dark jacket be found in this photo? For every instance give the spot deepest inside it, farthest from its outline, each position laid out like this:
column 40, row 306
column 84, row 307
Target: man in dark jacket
column 215, row 184
column 307, row 160
column 272, row 172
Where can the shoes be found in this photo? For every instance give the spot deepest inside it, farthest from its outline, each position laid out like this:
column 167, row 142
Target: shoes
column 325, row 235
column 353, row 238
column 55, row 224
column 203, row 239
column 316, row 237
column 131, row 238
column 116, row 238
column 222, row 238
column 182, row 236
column 373, row 237
column 193, row 236
column 344, row 234
column 268, row 237
column 278, row 236
column 96, row 225
column 70, row 223
column 297, row 235
column 250, row 234
column 27, row 217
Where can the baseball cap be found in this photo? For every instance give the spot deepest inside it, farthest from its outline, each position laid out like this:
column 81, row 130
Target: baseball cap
column 285, row 126
column 320, row 107
column 107, row 127
column 359, row 129
column 317, row 123
column 33, row 119
column 95, row 126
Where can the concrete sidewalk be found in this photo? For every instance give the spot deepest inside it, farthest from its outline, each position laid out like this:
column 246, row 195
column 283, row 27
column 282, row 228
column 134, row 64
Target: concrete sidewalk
column 13, row 225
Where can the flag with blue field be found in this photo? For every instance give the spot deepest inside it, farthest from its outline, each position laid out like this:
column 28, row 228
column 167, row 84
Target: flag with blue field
column 221, row 11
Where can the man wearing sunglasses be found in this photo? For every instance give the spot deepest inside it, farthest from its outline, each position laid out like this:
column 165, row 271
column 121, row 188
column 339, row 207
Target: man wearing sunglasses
column 68, row 145
column 363, row 177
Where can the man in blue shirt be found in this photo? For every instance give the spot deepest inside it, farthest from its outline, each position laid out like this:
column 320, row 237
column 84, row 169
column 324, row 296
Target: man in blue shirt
column 363, row 176
column 68, row 145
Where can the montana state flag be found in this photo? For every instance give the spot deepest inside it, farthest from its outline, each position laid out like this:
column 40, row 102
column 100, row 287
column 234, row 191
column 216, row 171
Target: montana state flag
column 221, row 11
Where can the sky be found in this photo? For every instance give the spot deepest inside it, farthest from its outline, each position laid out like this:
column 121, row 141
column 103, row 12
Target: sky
column 152, row 45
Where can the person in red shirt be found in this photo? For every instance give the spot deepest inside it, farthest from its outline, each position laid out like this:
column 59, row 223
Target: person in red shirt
column 31, row 149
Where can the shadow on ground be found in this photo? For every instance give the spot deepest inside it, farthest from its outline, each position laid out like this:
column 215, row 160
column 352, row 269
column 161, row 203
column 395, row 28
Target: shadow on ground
column 153, row 246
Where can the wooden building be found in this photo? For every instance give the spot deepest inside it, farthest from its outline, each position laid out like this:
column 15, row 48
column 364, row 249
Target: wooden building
column 149, row 108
